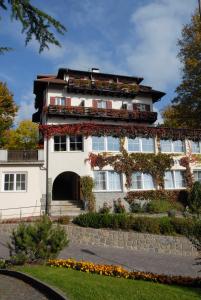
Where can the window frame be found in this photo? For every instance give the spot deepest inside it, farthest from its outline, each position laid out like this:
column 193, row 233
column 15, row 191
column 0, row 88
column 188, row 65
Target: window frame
column 60, row 101
column 105, row 142
column 191, row 148
column 174, row 181
column 100, row 102
column 141, row 145
column 67, row 141
column 15, row 173
column 142, row 182
column 106, row 172
column 196, row 170
column 172, row 150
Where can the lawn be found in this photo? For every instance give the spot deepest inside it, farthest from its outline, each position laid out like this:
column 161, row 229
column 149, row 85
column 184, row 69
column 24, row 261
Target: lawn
column 80, row 286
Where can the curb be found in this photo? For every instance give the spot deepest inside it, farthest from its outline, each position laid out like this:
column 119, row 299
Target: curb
column 45, row 289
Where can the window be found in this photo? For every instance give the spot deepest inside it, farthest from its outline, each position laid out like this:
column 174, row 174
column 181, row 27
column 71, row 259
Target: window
column 100, row 180
column 76, row 143
column 60, row 101
column 113, row 144
column 147, row 145
column 14, row 182
column 60, row 143
column 141, row 145
column 142, row 181
column 124, row 106
column 178, row 146
column 174, row 180
column 172, row 146
column 107, row 181
column 98, row 143
column 196, row 147
column 134, row 145
column 101, row 104
column 197, row 175
column 68, row 143
column 108, row 143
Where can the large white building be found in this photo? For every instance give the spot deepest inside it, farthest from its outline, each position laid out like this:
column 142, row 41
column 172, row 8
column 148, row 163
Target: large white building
column 91, row 112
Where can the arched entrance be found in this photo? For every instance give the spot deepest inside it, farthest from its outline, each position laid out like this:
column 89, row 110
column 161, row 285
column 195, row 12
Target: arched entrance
column 66, row 186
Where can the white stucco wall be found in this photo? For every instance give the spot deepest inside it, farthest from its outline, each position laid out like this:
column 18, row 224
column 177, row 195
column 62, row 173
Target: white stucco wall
column 76, row 99
column 17, row 199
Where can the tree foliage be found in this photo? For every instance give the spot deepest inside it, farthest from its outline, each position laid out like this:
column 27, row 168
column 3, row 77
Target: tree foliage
column 8, row 109
column 186, row 106
column 195, row 198
column 25, row 136
column 37, row 241
column 35, row 23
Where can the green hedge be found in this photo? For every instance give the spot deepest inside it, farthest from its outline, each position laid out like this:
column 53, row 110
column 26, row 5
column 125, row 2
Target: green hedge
column 164, row 225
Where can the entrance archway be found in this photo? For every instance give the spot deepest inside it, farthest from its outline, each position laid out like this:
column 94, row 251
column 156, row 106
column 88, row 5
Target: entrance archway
column 66, row 186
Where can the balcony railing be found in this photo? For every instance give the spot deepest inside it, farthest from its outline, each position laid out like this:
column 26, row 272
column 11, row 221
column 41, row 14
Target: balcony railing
column 22, row 155
column 100, row 113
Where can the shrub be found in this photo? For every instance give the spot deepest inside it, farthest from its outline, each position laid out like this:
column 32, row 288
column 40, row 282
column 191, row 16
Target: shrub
column 161, row 206
column 166, row 227
column 194, row 199
column 90, row 219
column 105, row 209
column 181, row 226
column 35, row 242
column 136, row 207
column 146, row 224
column 119, row 207
column 86, row 185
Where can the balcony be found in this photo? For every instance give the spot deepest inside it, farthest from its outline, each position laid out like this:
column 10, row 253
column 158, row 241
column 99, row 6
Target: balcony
column 100, row 113
column 14, row 156
column 102, row 87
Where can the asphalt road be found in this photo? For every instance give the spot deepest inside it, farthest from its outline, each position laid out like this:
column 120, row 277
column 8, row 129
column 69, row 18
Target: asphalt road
column 130, row 259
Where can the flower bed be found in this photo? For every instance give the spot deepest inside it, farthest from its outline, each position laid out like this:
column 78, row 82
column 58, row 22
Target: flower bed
column 118, row 271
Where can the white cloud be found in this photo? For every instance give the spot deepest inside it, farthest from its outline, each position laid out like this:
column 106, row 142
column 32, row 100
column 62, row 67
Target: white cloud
column 26, row 107
column 152, row 49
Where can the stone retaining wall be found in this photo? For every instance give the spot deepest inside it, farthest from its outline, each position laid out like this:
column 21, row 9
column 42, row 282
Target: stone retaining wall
column 121, row 239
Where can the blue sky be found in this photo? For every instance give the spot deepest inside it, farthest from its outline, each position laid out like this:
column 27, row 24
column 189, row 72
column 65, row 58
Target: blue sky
column 133, row 37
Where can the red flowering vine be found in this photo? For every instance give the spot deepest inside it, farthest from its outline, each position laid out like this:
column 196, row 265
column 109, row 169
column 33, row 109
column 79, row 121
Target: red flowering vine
column 89, row 129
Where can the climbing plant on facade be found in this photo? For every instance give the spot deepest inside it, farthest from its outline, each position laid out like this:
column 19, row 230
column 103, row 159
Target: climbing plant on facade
column 127, row 163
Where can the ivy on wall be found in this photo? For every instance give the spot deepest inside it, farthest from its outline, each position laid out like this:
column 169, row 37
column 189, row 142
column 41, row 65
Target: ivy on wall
column 132, row 131
column 86, row 187
column 127, row 163
column 169, row 195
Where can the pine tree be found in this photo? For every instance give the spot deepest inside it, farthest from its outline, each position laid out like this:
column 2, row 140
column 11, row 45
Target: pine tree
column 35, row 23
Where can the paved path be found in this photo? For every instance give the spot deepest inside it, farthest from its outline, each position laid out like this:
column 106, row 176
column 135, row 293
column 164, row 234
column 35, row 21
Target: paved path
column 138, row 260
column 15, row 289
column 130, row 259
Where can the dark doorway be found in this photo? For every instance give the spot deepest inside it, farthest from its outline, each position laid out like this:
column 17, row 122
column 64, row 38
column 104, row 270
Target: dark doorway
column 66, row 186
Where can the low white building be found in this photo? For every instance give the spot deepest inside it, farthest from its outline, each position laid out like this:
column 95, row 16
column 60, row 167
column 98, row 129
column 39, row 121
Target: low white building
column 91, row 112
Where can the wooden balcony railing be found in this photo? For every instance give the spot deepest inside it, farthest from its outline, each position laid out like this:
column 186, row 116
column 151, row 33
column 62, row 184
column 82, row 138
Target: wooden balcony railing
column 100, row 113
column 22, row 155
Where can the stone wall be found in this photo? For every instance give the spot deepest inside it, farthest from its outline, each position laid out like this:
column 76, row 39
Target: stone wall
column 121, row 239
